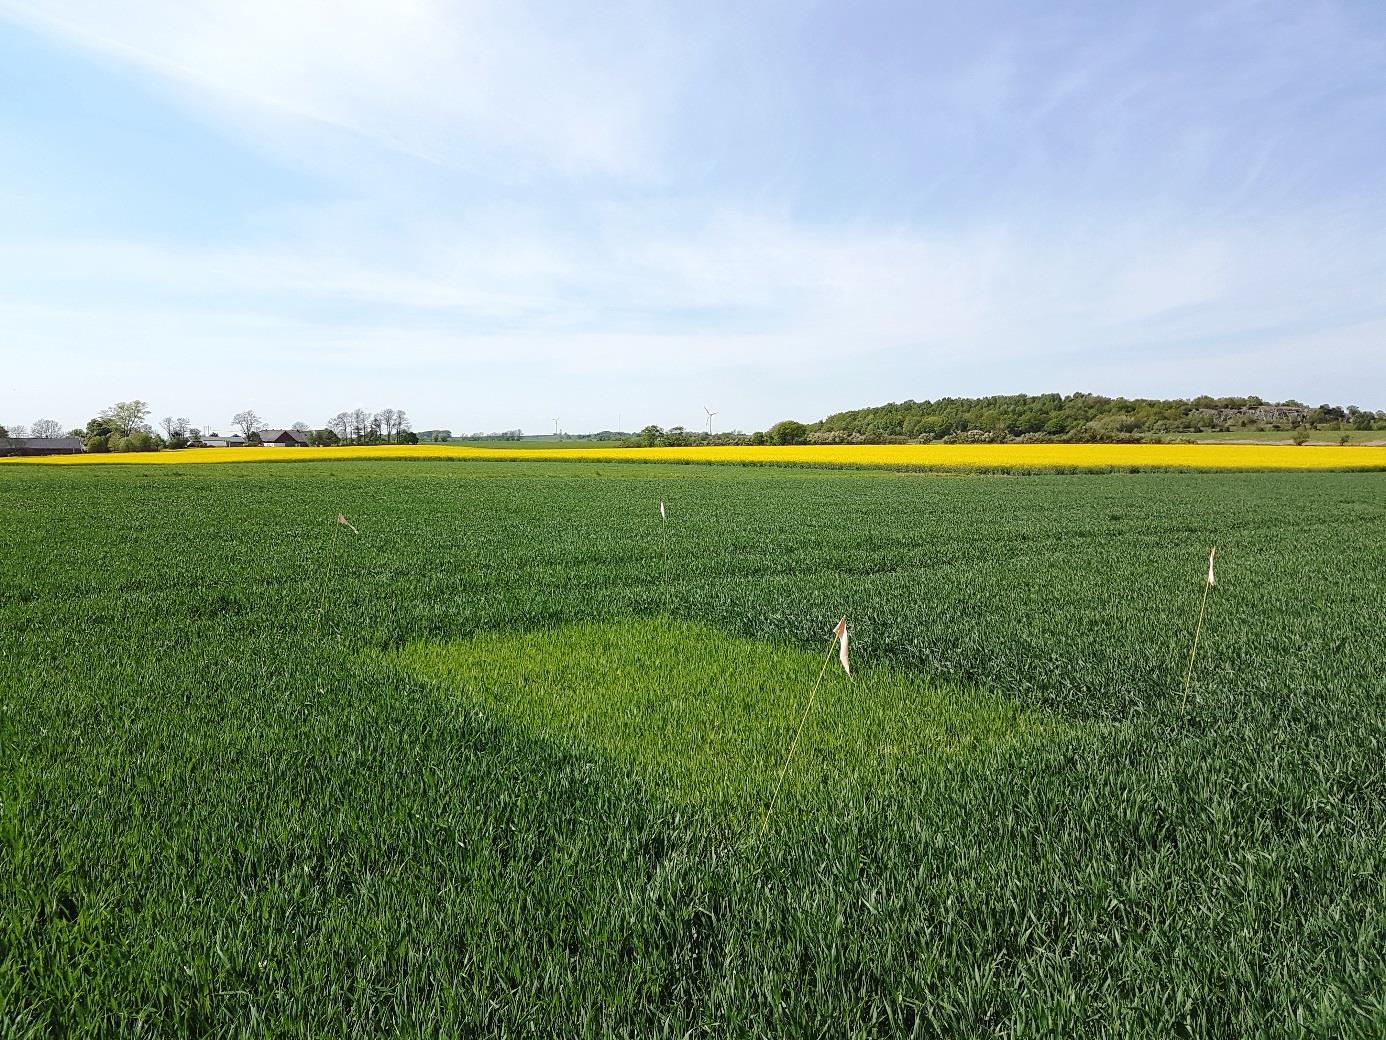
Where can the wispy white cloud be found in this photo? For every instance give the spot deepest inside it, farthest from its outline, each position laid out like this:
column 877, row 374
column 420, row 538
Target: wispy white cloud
column 737, row 289
column 463, row 83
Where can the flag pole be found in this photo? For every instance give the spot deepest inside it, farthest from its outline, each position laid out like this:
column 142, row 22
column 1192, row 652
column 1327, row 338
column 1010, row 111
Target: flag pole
column 1198, row 630
column 784, row 769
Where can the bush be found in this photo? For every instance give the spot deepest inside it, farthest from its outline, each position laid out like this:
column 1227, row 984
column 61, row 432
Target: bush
column 787, row 431
column 973, row 437
column 97, row 444
column 137, row 441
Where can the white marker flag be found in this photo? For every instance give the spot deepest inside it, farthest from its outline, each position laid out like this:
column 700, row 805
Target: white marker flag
column 661, row 510
column 1211, row 579
column 841, row 632
column 344, row 522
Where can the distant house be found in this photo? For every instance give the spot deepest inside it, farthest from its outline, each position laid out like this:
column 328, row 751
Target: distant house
column 283, row 439
column 40, row 446
column 224, row 442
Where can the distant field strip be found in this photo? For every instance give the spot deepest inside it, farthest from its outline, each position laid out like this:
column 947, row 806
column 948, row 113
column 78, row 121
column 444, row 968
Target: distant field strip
column 1001, row 457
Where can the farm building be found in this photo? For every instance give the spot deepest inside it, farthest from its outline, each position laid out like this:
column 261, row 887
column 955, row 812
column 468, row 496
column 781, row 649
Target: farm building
column 283, row 439
column 40, row 446
column 224, row 442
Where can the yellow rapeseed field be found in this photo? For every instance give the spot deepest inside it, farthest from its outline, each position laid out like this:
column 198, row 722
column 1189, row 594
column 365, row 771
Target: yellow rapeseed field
column 895, row 456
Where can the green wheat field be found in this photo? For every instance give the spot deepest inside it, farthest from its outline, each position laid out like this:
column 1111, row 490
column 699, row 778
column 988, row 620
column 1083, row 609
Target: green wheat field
column 501, row 763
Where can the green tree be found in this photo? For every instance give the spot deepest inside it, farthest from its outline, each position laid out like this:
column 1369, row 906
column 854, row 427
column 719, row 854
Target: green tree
column 125, row 417
column 787, row 431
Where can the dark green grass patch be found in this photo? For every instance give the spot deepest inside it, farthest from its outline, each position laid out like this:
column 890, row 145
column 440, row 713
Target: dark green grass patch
column 706, row 718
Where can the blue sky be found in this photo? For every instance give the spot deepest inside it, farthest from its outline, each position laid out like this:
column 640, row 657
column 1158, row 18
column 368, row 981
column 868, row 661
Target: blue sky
column 494, row 214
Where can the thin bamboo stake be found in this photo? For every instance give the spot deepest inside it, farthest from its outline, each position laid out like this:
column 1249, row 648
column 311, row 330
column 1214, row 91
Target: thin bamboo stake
column 331, row 569
column 664, row 542
column 1198, row 630
column 765, row 826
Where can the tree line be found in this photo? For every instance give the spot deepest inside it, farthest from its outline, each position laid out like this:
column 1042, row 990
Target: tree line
column 1073, row 417
column 125, row 426
column 1040, row 417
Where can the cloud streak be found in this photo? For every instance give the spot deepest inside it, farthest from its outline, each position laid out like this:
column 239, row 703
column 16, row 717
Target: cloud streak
column 796, row 294
column 414, row 76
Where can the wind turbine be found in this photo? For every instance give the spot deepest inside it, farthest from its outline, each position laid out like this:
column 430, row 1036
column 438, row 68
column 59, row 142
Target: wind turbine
column 709, row 420
column 555, row 427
